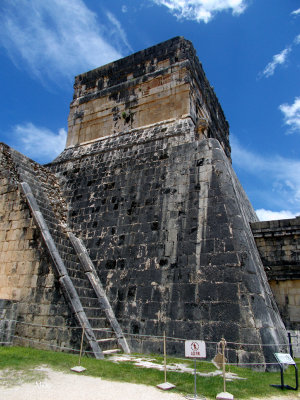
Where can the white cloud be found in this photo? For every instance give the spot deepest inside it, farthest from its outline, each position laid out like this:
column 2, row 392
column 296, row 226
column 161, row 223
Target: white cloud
column 202, row 10
column 292, row 114
column 296, row 12
column 268, row 215
column 278, row 59
column 276, row 179
column 38, row 143
column 57, row 38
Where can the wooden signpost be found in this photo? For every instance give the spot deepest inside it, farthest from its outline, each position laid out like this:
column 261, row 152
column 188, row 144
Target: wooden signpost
column 166, row 385
column 223, row 395
column 78, row 367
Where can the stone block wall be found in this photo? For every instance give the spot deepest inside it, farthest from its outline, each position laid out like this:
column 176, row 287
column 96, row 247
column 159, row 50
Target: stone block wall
column 18, row 258
column 278, row 243
column 26, row 271
column 166, row 224
column 164, row 82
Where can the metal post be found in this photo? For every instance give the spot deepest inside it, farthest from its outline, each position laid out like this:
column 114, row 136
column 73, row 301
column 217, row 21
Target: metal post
column 165, row 356
column 195, row 373
column 290, row 345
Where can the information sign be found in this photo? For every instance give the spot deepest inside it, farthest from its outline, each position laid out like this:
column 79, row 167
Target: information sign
column 195, row 349
column 284, row 358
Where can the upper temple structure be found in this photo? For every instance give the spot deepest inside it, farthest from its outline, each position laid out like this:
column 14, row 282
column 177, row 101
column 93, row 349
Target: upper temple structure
column 161, row 84
column 140, row 226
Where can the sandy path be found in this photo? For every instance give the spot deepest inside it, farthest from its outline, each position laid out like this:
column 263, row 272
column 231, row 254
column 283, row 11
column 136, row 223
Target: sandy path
column 62, row 386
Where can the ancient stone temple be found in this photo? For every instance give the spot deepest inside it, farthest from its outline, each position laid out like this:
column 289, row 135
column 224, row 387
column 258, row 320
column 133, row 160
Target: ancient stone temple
column 140, row 226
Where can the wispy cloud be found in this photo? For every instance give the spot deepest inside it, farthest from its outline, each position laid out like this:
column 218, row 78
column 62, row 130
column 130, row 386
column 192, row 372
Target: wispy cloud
column 117, row 30
column 38, row 143
column 297, row 40
column 58, row 38
column 202, row 10
column 292, row 114
column 296, row 12
column 276, row 179
column 278, row 59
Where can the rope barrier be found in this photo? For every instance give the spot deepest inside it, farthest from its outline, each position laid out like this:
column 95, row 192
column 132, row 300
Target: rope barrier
column 146, row 336
column 90, row 352
column 64, row 348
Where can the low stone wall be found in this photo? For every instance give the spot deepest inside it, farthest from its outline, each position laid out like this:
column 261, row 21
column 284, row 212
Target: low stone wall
column 287, row 295
column 278, row 243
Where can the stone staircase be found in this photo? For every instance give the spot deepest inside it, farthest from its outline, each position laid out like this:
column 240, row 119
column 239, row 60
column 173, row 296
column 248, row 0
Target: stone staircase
column 75, row 271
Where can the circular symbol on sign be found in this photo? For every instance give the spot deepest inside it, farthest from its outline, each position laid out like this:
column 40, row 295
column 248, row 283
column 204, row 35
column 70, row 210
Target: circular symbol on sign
column 195, row 346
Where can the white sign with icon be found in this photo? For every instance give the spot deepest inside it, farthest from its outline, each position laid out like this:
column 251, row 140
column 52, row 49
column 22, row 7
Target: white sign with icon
column 195, row 349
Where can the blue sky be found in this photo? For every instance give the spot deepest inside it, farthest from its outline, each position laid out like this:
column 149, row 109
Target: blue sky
column 250, row 51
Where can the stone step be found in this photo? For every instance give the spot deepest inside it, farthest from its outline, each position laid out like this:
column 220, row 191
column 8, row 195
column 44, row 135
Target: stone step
column 85, row 292
column 83, row 283
column 72, row 265
column 102, row 330
column 89, row 302
column 76, row 273
column 111, row 351
column 98, row 322
column 102, row 333
column 93, row 312
column 64, row 251
column 105, row 340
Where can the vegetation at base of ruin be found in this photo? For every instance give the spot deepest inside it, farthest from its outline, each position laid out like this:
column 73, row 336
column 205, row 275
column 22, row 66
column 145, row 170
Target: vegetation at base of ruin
column 22, row 361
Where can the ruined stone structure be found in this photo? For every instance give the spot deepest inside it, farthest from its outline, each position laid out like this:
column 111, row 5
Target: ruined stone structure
column 140, row 226
column 278, row 243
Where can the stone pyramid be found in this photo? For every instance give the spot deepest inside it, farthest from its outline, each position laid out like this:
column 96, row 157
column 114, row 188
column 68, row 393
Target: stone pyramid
column 150, row 190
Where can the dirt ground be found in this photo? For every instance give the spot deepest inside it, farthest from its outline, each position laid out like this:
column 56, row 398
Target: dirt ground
column 53, row 385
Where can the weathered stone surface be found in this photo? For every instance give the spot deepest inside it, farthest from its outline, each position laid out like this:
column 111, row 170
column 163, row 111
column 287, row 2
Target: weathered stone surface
column 168, row 231
column 278, row 243
column 8, row 318
column 163, row 82
column 50, row 240
column 26, row 273
column 149, row 188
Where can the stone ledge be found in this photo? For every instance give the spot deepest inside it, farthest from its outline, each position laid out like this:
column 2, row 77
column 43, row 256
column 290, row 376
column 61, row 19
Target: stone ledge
column 160, row 131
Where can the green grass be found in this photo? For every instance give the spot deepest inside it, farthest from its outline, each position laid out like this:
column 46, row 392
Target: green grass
column 25, row 360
